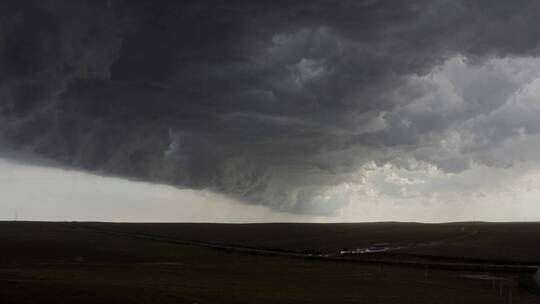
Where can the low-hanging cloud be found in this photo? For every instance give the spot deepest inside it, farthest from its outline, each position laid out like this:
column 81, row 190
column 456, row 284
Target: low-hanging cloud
column 271, row 103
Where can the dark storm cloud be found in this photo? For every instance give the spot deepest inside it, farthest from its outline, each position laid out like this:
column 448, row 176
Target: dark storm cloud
column 267, row 102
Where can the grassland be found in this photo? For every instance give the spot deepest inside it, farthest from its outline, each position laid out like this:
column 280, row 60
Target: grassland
column 72, row 263
column 512, row 242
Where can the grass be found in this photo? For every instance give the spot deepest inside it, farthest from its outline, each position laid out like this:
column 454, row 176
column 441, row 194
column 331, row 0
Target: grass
column 60, row 263
column 513, row 242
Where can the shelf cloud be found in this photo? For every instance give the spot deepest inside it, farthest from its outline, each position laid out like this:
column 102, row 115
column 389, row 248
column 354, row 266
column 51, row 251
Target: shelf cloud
column 284, row 103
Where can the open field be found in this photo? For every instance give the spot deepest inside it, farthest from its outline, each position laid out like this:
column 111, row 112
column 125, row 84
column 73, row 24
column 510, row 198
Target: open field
column 70, row 262
column 512, row 242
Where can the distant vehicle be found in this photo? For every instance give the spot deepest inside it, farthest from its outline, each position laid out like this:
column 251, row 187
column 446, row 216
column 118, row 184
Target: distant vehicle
column 345, row 251
column 378, row 247
column 355, row 251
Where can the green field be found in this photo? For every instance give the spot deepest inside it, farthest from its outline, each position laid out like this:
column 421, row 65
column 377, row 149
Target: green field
column 76, row 263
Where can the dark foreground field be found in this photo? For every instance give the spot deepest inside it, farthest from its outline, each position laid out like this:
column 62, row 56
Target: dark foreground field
column 512, row 242
column 112, row 263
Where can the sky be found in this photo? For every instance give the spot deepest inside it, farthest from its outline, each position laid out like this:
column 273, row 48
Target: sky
column 257, row 111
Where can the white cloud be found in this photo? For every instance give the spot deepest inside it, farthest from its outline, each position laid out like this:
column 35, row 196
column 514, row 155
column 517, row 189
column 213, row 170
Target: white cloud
column 426, row 194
